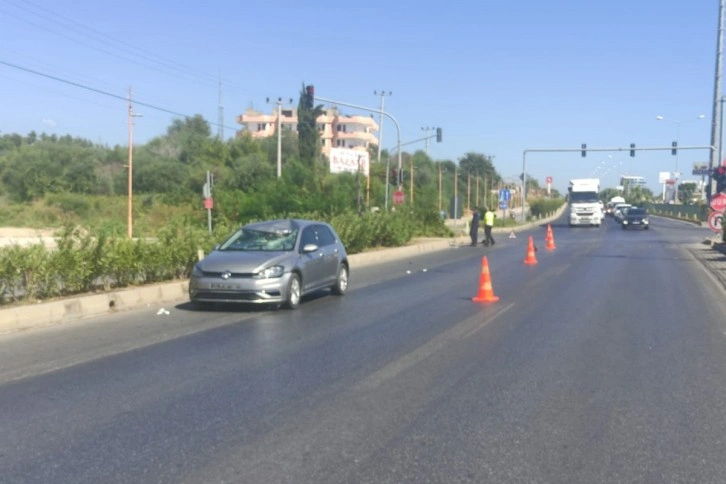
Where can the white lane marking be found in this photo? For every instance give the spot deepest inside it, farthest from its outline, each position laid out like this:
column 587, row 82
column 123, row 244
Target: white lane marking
column 458, row 332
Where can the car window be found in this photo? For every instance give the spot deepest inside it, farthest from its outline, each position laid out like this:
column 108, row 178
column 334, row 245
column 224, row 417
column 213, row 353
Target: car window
column 309, row 236
column 325, row 236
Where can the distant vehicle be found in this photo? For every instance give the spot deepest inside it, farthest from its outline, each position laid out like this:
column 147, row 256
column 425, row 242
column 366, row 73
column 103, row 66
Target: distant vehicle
column 611, row 204
column 619, row 209
column 276, row 262
column 584, row 200
column 635, row 218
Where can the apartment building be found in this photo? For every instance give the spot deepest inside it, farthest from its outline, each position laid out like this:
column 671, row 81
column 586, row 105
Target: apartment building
column 336, row 130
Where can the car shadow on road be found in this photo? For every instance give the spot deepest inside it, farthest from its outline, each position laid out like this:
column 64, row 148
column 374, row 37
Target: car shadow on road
column 211, row 307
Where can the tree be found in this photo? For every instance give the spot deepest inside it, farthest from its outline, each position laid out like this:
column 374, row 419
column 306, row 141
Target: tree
column 686, row 192
column 308, row 136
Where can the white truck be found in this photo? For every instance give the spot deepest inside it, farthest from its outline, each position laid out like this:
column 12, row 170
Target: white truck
column 584, row 201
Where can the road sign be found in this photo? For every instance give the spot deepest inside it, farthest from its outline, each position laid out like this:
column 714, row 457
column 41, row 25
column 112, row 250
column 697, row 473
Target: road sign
column 715, row 219
column 505, row 195
column 503, row 204
column 549, row 180
column 208, row 203
column 399, row 197
column 718, row 202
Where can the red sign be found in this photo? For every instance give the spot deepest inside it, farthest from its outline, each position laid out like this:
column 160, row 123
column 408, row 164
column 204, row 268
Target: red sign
column 398, row 197
column 549, row 180
column 208, row 203
column 715, row 219
column 718, row 202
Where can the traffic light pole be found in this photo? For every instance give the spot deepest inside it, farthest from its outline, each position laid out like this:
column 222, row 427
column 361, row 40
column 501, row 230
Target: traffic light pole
column 398, row 132
column 632, row 149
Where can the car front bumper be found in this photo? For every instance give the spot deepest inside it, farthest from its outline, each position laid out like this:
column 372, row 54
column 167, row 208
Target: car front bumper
column 259, row 291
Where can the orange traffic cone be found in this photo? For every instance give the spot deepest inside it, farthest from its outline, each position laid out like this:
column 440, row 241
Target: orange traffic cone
column 530, row 259
column 550, row 239
column 486, row 293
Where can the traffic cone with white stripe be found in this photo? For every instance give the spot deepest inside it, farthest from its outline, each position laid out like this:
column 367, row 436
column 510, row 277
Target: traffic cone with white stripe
column 550, row 239
column 486, row 292
column 531, row 258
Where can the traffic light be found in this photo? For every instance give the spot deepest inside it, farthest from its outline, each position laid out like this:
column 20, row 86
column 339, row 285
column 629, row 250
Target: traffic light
column 675, row 147
column 584, row 150
column 719, row 174
column 394, row 176
column 310, row 96
column 632, row 150
column 438, row 135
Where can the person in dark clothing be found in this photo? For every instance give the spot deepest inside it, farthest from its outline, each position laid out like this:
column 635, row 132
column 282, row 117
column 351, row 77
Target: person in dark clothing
column 474, row 229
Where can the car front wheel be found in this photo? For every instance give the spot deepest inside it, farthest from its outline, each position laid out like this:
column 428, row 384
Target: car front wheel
column 341, row 282
column 294, row 292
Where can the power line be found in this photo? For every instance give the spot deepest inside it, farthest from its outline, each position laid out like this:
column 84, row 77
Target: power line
column 153, row 61
column 104, row 93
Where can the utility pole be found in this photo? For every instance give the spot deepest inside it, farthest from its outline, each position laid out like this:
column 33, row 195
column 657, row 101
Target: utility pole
column 383, row 94
column 279, row 134
column 440, row 186
column 220, row 111
column 132, row 115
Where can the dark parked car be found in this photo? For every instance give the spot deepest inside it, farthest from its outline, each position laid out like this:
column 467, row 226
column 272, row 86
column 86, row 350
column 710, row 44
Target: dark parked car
column 636, row 218
column 274, row 262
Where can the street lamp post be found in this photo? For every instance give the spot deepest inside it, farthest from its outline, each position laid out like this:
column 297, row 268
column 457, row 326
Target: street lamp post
column 678, row 133
column 398, row 132
column 678, row 130
column 279, row 134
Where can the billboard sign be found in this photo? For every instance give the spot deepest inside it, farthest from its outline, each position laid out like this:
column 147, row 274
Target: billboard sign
column 347, row 160
column 663, row 176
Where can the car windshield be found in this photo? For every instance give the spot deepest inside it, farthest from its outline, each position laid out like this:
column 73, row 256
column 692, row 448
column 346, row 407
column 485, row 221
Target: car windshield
column 256, row 240
column 637, row 212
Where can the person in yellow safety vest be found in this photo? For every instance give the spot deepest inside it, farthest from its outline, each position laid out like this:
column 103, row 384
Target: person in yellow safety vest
column 488, row 224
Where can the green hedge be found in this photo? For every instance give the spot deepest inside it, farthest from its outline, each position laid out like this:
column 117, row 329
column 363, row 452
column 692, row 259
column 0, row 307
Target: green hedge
column 85, row 262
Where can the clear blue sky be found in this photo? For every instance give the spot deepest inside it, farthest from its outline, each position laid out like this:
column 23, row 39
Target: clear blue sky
column 498, row 76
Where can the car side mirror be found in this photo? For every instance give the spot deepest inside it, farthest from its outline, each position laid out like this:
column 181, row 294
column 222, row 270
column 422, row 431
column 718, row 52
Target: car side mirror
column 309, row 248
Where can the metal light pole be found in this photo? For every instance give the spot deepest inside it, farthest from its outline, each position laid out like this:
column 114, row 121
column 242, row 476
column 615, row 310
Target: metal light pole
column 716, row 118
column 398, row 131
column 382, row 94
column 130, row 221
column 279, row 135
column 678, row 131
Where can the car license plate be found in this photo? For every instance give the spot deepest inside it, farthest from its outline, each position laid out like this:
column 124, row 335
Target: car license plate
column 636, row 222
column 217, row 285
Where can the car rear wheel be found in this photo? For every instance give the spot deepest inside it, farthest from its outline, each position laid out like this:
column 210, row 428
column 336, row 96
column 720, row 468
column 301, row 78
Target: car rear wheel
column 341, row 282
column 294, row 292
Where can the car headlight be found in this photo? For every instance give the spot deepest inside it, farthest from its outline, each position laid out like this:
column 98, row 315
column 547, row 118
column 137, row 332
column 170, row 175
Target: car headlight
column 625, row 222
column 645, row 220
column 270, row 273
column 196, row 271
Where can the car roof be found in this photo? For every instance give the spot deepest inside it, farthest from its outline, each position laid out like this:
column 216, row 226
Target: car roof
column 282, row 225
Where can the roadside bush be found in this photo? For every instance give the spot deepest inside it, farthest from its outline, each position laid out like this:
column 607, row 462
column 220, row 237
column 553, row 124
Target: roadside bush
column 543, row 206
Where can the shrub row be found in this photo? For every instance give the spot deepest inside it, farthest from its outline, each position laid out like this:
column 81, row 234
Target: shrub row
column 85, row 262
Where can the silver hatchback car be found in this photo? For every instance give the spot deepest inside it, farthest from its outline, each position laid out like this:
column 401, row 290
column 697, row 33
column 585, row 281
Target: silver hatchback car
column 276, row 262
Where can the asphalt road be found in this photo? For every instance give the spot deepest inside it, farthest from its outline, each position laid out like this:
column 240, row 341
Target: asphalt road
column 605, row 362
